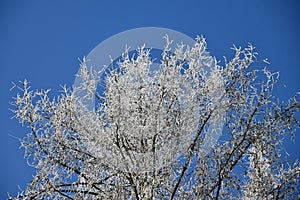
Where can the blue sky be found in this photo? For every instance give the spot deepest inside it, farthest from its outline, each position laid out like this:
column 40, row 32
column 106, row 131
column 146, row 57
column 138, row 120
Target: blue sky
column 41, row 41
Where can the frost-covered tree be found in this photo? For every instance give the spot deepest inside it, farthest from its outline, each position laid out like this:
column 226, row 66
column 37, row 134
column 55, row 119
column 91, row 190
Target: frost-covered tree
column 190, row 130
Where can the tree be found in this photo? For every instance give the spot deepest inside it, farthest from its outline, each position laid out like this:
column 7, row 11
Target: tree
column 190, row 130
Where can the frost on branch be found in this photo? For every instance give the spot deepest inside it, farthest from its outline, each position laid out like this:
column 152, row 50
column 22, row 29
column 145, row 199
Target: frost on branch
column 190, row 130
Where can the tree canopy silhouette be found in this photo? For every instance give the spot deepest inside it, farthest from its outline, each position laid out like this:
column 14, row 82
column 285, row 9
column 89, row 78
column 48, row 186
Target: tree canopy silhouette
column 191, row 129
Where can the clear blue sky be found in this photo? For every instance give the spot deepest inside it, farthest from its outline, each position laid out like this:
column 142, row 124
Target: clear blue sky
column 41, row 41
